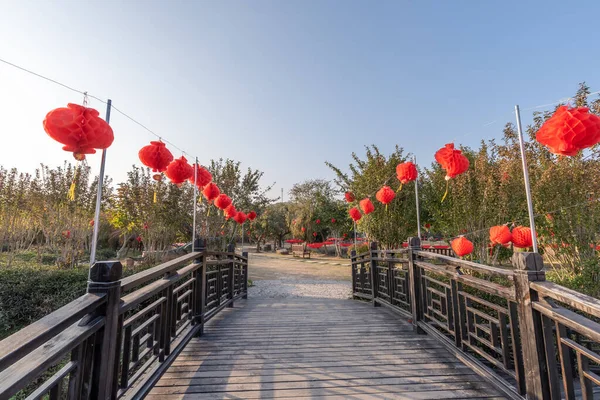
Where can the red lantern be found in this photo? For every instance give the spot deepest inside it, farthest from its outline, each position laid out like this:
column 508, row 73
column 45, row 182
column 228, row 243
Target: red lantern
column 179, row 171
column 500, row 234
column 318, row 221
column 139, row 239
column 355, row 214
column 349, row 197
column 230, row 211
column 222, row 201
column 251, row 215
column 406, row 172
column 203, row 177
column 211, row 191
column 385, row 195
column 240, row 217
column 366, row 206
column 427, row 226
column 91, row 222
column 79, row 128
column 522, row 237
column 303, row 229
column 453, row 161
column 462, row 246
column 569, row 131
column 333, row 220
column 315, row 234
column 156, row 156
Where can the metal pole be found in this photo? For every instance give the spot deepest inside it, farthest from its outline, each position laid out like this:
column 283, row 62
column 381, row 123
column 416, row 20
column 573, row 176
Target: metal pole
column 243, row 235
column 526, row 177
column 417, row 202
column 195, row 205
column 355, row 237
column 99, row 194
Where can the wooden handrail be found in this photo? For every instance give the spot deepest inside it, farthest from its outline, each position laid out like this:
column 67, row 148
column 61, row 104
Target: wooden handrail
column 39, row 332
column 142, row 331
column 140, row 278
column 457, row 262
column 570, row 297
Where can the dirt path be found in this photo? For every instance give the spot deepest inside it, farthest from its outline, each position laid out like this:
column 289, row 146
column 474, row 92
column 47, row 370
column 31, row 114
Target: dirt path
column 282, row 277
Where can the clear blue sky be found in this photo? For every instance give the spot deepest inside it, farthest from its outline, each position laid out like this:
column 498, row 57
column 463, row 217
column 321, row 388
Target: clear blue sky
column 283, row 86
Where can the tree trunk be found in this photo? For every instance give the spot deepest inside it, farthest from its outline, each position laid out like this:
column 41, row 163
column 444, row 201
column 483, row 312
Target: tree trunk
column 122, row 253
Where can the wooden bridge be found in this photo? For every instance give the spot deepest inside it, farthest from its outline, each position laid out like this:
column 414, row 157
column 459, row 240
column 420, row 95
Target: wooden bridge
column 429, row 326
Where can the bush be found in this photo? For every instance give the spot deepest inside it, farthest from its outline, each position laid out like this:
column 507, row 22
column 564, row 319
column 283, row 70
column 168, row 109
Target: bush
column 29, row 293
column 361, row 248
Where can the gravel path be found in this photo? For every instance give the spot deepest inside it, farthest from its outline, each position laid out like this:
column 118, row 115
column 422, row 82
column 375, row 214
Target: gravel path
column 291, row 288
column 279, row 277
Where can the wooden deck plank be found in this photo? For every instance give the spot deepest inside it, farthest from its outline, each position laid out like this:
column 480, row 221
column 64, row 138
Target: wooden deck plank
column 315, row 348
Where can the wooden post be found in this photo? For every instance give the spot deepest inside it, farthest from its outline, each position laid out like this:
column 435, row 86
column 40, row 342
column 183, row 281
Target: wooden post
column 201, row 294
column 353, row 270
column 105, row 277
column 414, row 274
column 529, row 267
column 245, row 275
column 374, row 288
column 200, row 276
column 230, row 277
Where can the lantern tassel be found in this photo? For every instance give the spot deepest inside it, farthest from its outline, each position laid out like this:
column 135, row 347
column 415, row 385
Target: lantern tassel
column 155, row 200
column 446, row 193
column 386, row 208
column 71, row 193
column 400, row 188
column 208, row 213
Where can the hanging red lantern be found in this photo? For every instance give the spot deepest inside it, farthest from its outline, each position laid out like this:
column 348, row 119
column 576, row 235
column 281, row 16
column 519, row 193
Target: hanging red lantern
column 79, row 128
column 462, row 246
column 406, row 172
column 251, row 215
column 355, row 214
column 91, row 222
column 453, row 161
column 230, row 211
column 139, row 239
column 318, row 221
column 333, row 220
column 200, row 176
column 427, row 226
column 385, row 195
column 303, row 229
column 349, row 196
column 569, row 131
column 522, row 237
column 315, row 234
column 222, row 201
column 211, row 191
column 366, row 206
column 156, row 156
column 179, row 171
column 240, row 217
column 500, row 234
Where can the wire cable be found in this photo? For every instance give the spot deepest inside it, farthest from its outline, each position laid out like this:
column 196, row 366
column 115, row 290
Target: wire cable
column 95, row 98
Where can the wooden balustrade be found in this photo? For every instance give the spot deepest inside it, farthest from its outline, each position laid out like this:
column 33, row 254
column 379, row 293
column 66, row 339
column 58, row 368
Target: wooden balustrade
column 528, row 336
column 116, row 340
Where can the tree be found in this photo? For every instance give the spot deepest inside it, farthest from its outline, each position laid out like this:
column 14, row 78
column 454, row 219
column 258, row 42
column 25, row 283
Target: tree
column 389, row 226
column 273, row 223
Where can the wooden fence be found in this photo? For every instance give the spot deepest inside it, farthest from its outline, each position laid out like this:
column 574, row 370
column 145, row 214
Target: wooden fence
column 526, row 335
column 117, row 339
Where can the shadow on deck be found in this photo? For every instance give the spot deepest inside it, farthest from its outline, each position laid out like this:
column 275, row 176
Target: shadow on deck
column 314, row 348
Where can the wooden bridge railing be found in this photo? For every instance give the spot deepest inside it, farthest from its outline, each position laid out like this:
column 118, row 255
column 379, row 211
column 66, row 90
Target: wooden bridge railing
column 528, row 336
column 117, row 339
